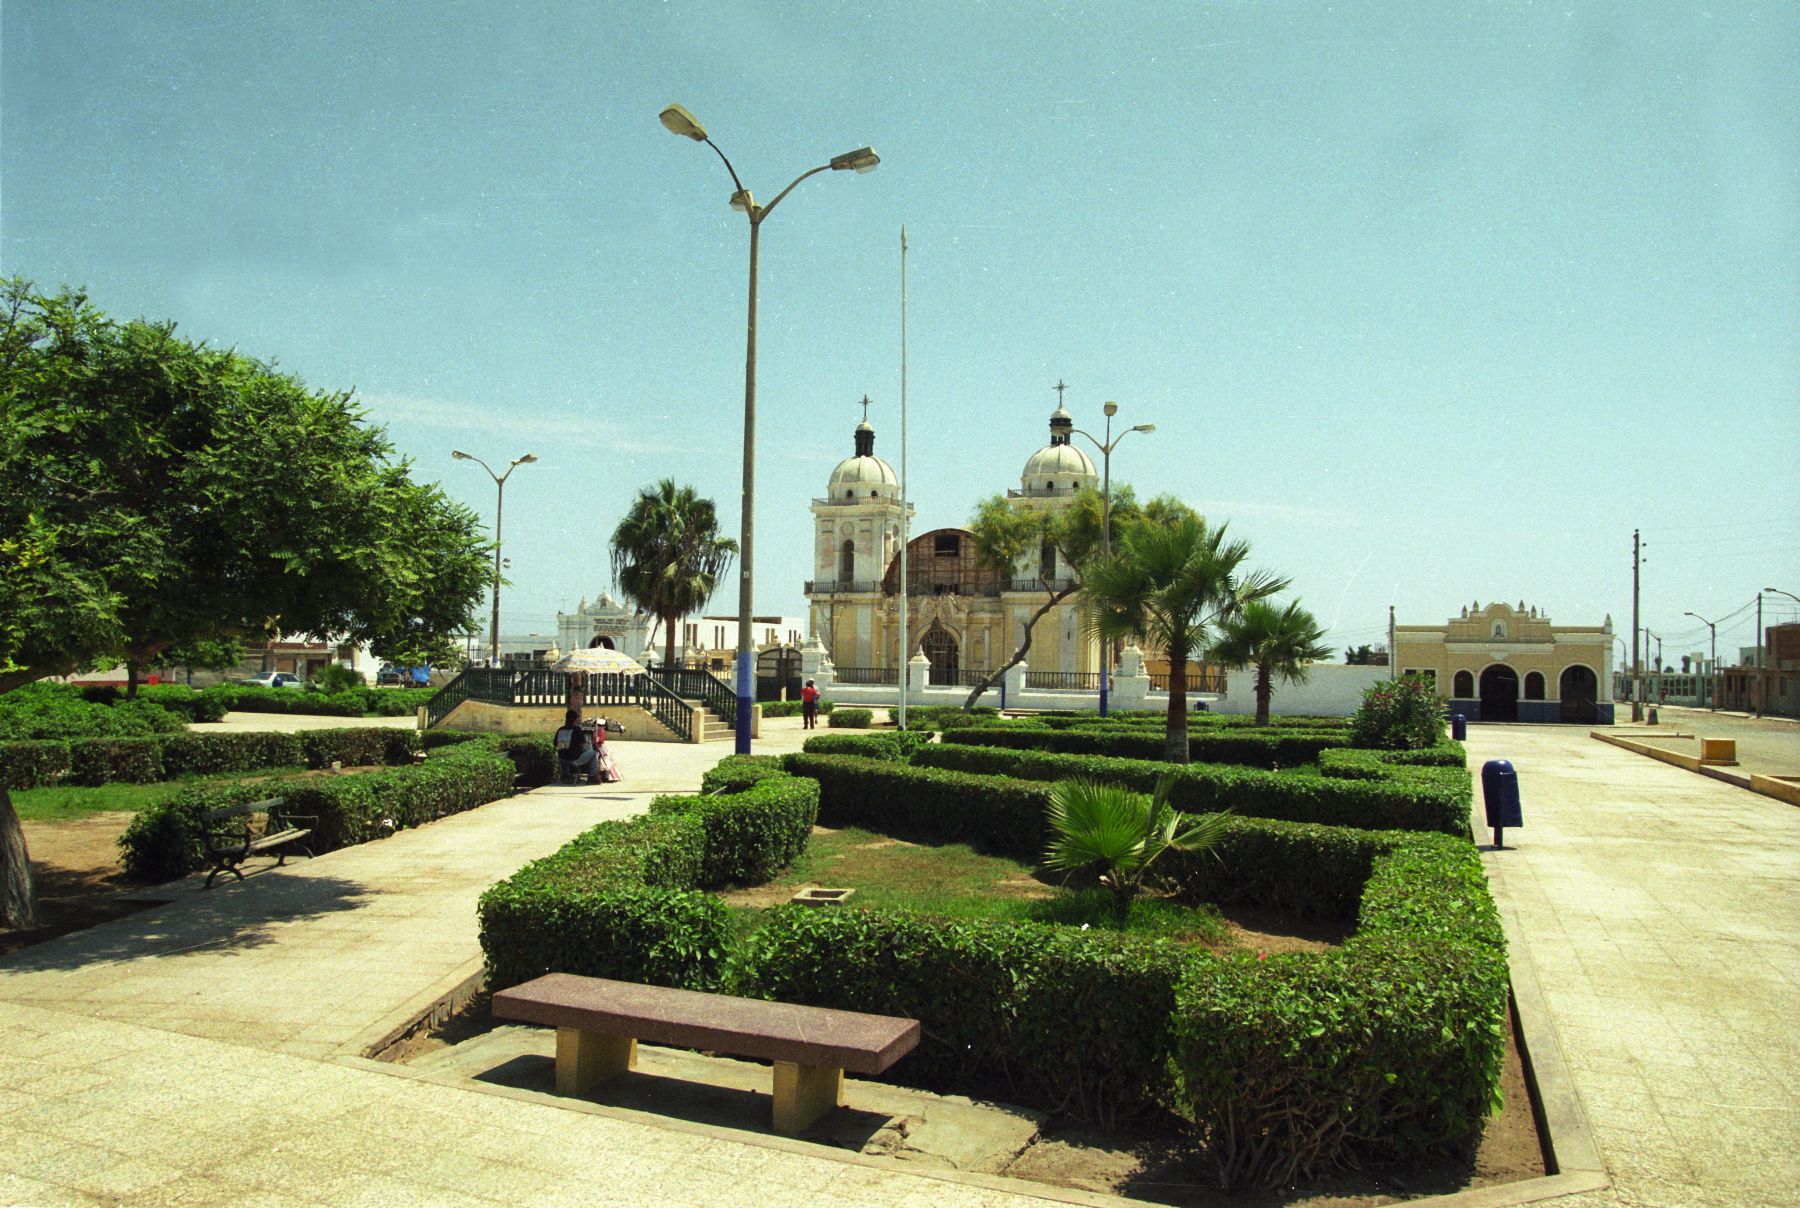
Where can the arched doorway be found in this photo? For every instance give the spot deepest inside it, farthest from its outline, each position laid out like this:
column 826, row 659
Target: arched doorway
column 939, row 646
column 1463, row 686
column 1499, row 693
column 1580, row 692
column 1534, row 685
column 602, row 643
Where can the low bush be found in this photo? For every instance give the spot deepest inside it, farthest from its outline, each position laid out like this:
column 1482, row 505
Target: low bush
column 752, row 833
column 194, row 705
column 33, row 763
column 947, row 717
column 431, row 740
column 850, row 719
column 211, row 754
column 734, row 773
column 885, row 744
column 94, row 761
column 986, row 812
column 1245, row 746
column 351, row 702
column 167, row 840
column 1408, row 799
column 1404, row 714
column 335, row 677
column 792, row 708
column 533, row 756
column 358, row 747
column 39, row 711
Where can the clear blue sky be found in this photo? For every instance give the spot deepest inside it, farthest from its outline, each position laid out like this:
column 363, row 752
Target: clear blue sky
column 1433, row 303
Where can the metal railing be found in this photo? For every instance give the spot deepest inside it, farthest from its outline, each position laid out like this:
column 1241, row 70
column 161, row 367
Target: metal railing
column 540, row 686
column 1063, row 681
column 867, row 675
column 959, row 678
column 1204, row 681
column 1053, row 585
column 826, row 587
column 697, row 683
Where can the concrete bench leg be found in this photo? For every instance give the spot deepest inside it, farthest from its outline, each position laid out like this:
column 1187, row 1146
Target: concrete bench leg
column 803, row 1093
column 586, row 1059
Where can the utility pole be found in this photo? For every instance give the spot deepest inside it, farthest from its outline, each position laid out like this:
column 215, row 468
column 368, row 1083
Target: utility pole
column 1637, row 664
column 1758, row 693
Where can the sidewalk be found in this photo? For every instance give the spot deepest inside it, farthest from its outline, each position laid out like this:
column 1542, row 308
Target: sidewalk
column 206, row 1051
column 1660, row 912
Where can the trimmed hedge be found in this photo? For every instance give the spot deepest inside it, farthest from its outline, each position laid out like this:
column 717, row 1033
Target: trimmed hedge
column 352, row 702
column 33, row 763
column 358, row 747
column 622, row 899
column 1408, row 799
column 792, row 708
column 850, row 719
column 1257, row 748
column 884, row 744
column 986, row 812
column 211, row 754
column 40, row 711
column 95, row 761
column 164, row 841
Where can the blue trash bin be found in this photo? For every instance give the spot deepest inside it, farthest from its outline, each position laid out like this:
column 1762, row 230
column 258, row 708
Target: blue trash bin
column 1459, row 727
column 1500, row 796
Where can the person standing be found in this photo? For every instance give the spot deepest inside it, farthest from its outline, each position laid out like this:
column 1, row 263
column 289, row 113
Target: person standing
column 809, row 707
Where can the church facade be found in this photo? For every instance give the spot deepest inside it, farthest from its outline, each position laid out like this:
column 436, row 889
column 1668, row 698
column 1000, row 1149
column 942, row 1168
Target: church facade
column 1501, row 663
column 965, row 618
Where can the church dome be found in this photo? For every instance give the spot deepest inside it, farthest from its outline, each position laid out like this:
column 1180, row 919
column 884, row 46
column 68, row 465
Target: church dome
column 1059, row 466
column 863, row 475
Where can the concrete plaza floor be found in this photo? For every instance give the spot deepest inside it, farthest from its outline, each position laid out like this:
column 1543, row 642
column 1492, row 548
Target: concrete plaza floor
column 207, row 1051
column 1660, row 912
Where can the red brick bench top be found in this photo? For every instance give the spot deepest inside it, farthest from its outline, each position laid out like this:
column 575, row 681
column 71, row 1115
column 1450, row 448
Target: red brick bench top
column 749, row 1027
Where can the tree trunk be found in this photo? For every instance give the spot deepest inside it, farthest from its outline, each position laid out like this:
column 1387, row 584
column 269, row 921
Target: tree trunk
column 1019, row 654
column 1263, row 692
column 18, row 899
column 131, row 679
column 1175, row 734
column 669, row 645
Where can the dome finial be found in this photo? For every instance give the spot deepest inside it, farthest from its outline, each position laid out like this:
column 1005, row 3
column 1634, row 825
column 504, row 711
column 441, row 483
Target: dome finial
column 865, row 434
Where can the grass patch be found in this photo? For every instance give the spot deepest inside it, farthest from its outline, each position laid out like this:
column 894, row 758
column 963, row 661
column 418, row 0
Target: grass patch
column 956, row 881
column 64, row 803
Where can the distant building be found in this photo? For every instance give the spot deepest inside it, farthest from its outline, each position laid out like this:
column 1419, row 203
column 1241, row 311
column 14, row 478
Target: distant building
column 1502, row 663
column 1780, row 675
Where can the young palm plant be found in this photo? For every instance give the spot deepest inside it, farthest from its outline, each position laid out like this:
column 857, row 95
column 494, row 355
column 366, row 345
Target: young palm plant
column 1278, row 642
column 668, row 556
column 1166, row 585
column 1121, row 832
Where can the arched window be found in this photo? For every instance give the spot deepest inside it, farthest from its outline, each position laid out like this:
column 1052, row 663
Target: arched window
column 1047, row 561
column 1463, row 687
column 1499, row 629
column 874, row 494
column 847, row 562
column 1534, row 685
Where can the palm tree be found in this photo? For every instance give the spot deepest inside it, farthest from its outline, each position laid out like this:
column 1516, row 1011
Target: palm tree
column 1276, row 641
column 1121, row 832
column 1165, row 585
column 667, row 555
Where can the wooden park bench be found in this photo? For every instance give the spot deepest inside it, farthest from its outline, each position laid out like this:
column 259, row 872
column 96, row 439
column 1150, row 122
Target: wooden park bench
column 228, row 850
column 599, row 1023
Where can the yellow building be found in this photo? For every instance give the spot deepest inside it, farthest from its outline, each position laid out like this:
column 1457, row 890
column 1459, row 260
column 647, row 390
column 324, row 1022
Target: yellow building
column 1502, row 663
column 965, row 619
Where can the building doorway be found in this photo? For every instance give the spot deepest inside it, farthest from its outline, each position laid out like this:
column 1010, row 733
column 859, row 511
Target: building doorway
column 1580, row 692
column 939, row 646
column 602, row 643
column 1499, row 694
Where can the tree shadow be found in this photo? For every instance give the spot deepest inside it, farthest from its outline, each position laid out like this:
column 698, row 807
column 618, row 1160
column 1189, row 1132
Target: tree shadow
column 232, row 916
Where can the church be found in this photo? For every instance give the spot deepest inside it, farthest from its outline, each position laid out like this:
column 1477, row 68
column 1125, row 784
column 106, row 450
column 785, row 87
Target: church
column 965, row 618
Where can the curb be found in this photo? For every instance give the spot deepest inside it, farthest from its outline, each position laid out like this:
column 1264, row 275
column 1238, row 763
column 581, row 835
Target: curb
column 1781, row 788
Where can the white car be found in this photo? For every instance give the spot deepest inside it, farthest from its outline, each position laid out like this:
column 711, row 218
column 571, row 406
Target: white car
column 273, row 679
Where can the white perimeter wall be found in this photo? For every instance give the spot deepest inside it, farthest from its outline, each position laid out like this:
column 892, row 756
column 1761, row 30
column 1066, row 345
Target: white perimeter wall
column 1330, row 690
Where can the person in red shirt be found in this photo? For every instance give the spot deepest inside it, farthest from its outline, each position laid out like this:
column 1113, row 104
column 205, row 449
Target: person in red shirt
column 809, row 707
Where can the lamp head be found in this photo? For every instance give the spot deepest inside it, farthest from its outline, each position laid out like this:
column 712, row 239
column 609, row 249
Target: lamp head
column 677, row 120
column 459, row 455
column 863, row 159
column 1144, row 428
column 742, row 202
column 1111, row 409
column 525, row 460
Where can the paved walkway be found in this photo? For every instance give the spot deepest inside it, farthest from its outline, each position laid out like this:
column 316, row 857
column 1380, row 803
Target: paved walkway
column 1660, row 911
column 1769, row 746
column 162, row 1057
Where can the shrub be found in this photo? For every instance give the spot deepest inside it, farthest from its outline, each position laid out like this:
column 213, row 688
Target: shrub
column 753, row 833
column 987, row 812
column 94, row 761
column 166, row 840
column 33, row 763
column 1074, row 1021
column 431, row 740
column 850, row 719
column 533, row 756
column 335, row 677
column 735, row 773
column 791, row 708
column 178, row 698
column 885, row 744
column 1268, row 748
column 59, row 711
column 210, row 754
column 358, row 747
column 1408, row 799
column 1403, row 714
column 948, row 717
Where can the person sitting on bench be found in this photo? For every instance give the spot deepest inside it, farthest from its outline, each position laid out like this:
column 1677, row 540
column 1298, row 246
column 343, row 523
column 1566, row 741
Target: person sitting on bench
column 575, row 750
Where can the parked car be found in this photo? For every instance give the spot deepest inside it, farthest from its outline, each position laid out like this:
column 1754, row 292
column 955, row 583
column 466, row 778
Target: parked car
column 273, row 679
column 389, row 674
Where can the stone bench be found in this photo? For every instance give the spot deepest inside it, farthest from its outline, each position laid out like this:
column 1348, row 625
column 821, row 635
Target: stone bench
column 599, row 1023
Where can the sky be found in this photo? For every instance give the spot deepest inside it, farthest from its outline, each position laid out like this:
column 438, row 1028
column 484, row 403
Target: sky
column 1432, row 303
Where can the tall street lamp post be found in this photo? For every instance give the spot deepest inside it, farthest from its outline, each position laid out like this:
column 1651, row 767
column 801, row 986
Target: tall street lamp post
column 1106, row 447
column 678, row 120
column 499, row 504
column 1712, row 696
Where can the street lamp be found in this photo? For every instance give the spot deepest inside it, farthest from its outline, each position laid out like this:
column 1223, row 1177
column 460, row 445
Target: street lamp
column 677, row 120
column 1712, row 696
column 499, row 503
column 1106, row 447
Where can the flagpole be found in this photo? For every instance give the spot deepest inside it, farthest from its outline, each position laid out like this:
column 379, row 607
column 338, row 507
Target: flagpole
column 903, row 495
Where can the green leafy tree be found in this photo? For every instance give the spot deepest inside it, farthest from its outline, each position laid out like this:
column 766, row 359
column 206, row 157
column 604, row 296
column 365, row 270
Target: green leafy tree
column 1119, row 832
column 1166, row 585
column 161, row 494
column 1278, row 642
column 668, row 556
column 1009, row 539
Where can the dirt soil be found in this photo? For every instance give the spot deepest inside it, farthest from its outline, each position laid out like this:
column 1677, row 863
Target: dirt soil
column 75, row 865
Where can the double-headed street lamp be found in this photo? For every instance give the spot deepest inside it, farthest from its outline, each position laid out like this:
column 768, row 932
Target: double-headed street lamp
column 1712, row 694
column 679, row 121
column 1106, row 447
column 499, row 504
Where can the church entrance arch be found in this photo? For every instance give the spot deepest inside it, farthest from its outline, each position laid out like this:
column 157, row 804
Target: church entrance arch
column 602, row 643
column 1499, row 694
column 1580, row 692
column 939, row 645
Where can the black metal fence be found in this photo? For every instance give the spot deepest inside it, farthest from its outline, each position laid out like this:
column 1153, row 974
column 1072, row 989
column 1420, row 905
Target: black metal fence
column 877, row 676
column 541, row 686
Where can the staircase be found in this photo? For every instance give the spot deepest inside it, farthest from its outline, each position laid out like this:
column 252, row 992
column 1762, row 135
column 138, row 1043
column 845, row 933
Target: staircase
column 713, row 728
